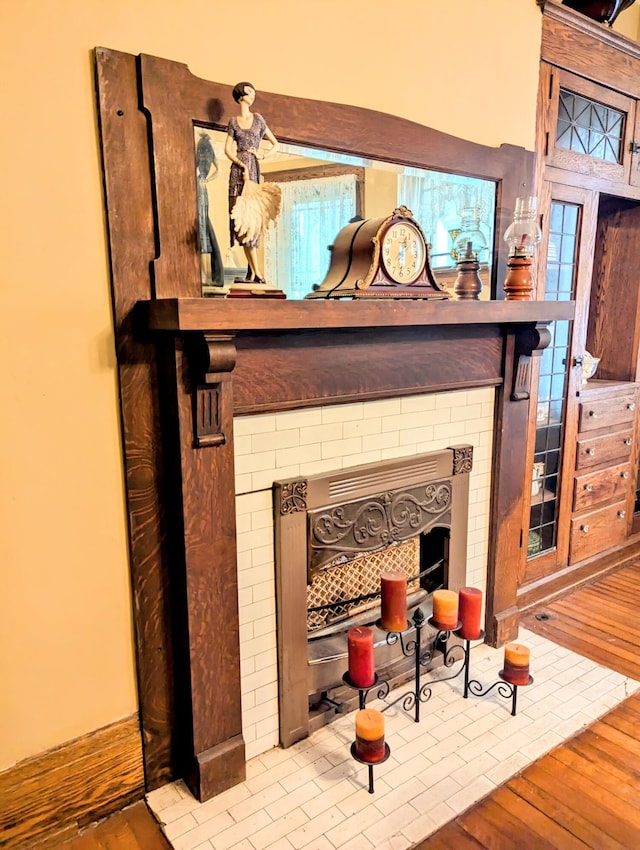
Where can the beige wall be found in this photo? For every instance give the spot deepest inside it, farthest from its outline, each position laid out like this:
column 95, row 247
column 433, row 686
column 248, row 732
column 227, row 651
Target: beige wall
column 66, row 647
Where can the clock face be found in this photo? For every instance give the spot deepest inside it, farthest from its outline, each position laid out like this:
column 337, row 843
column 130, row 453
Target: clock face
column 403, row 252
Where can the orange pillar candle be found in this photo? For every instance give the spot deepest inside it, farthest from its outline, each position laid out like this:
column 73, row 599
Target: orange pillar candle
column 516, row 664
column 369, row 735
column 445, row 609
column 393, row 601
column 361, row 664
column 470, row 611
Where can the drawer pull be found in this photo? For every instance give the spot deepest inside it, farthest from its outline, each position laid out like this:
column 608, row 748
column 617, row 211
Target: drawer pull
column 622, row 514
column 627, row 441
column 588, row 487
column 631, row 405
column 593, row 414
column 584, row 528
column 590, row 452
column 624, row 475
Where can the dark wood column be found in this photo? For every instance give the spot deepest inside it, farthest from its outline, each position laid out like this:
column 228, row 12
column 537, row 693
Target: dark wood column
column 204, row 536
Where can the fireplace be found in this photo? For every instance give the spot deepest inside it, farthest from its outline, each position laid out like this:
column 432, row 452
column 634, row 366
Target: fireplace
column 335, row 534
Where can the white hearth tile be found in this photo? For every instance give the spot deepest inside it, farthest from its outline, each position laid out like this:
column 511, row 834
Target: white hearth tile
column 402, row 792
column 343, row 413
column 222, row 803
column 449, row 431
column 384, row 407
column 236, row 833
column 319, row 433
column 362, row 427
column 329, row 821
column 275, row 440
column 355, row 824
column 260, row 479
column 203, row 832
column 395, row 452
column 379, row 442
column 417, row 403
column 297, row 455
column 357, row 843
column 389, row 827
column 175, row 828
column 470, row 794
column 319, row 843
column 247, row 425
column 281, row 829
column 413, row 436
column 297, row 418
column 314, row 795
column 343, row 447
column 428, row 820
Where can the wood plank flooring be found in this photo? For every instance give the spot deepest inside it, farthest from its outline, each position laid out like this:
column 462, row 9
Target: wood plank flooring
column 585, row 793
column 133, row 828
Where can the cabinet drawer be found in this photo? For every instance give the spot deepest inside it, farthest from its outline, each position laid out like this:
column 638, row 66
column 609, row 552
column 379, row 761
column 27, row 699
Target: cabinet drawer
column 593, row 451
column 595, row 487
column 596, row 531
column 602, row 413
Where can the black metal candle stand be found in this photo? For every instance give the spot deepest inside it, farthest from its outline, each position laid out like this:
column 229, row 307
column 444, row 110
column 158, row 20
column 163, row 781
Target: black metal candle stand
column 422, row 692
column 363, row 693
column 505, row 689
column 370, row 764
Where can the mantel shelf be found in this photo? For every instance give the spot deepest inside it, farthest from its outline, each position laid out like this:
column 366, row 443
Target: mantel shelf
column 182, row 315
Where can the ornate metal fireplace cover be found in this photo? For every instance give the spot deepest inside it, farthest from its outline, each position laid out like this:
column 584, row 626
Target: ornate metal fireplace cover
column 373, row 523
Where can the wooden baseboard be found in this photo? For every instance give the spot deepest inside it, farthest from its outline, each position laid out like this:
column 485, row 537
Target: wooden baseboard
column 71, row 785
column 570, row 578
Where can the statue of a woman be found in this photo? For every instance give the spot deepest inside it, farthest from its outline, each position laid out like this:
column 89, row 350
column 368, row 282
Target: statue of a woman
column 251, row 204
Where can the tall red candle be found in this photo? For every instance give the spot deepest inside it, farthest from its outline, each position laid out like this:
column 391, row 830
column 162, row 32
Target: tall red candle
column 361, row 662
column 393, row 596
column 469, row 612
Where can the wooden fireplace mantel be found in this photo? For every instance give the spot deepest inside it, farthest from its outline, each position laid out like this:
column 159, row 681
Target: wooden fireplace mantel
column 188, row 365
column 225, row 358
column 221, row 314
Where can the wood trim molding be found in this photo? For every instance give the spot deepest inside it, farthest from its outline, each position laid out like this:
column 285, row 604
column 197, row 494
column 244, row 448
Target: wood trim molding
column 72, row 785
column 573, row 41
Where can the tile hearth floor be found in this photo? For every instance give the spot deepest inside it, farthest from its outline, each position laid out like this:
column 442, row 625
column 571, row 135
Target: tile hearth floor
column 314, row 796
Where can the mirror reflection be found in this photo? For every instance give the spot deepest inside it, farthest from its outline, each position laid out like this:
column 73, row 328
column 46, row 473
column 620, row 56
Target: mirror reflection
column 322, row 191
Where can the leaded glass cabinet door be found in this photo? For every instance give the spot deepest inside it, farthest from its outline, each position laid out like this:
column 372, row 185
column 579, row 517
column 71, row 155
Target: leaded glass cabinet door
column 590, row 128
column 568, row 233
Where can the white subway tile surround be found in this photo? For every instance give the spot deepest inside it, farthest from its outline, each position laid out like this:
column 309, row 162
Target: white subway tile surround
column 307, row 442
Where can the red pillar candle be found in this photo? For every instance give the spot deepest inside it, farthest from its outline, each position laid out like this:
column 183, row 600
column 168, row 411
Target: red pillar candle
column 369, row 735
column 516, row 664
column 469, row 611
column 393, row 601
column 361, row 664
column 445, row 609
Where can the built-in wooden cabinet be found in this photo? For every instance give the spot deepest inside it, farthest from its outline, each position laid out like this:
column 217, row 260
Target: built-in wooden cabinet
column 604, row 481
column 582, row 446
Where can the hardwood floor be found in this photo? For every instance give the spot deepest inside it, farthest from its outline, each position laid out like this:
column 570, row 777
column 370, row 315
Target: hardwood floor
column 583, row 794
column 134, row 828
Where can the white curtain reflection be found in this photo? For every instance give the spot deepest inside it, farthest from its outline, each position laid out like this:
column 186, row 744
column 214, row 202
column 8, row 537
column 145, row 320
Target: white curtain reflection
column 296, row 254
column 437, row 200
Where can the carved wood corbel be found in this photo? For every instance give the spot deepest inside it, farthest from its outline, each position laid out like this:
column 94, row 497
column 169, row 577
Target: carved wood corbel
column 530, row 342
column 214, row 361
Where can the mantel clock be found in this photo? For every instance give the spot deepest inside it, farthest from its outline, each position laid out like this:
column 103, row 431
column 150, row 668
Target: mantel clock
column 384, row 257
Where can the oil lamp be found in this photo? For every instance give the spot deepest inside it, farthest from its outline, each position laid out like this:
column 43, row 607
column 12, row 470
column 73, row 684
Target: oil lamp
column 522, row 236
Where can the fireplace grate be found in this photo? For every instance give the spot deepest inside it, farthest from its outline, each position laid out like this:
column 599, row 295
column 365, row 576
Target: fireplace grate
column 345, row 590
